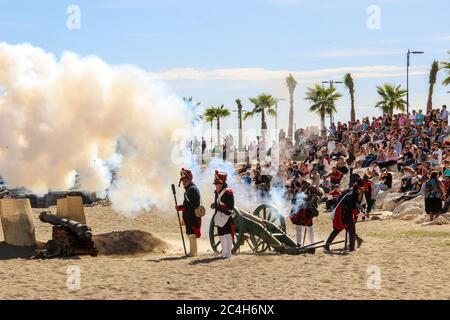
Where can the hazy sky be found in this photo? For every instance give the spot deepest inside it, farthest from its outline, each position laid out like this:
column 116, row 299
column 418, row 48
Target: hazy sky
column 217, row 51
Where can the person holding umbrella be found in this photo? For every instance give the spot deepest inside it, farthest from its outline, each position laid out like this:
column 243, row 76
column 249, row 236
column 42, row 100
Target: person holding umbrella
column 191, row 203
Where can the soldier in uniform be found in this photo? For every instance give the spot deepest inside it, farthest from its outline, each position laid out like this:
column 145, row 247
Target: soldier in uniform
column 346, row 214
column 190, row 203
column 303, row 212
column 223, row 206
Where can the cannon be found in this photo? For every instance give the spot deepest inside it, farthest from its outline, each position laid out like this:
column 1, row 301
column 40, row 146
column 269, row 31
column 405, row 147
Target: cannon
column 82, row 231
column 262, row 230
column 69, row 238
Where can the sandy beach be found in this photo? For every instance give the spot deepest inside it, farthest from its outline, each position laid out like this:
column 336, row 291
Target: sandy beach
column 413, row 260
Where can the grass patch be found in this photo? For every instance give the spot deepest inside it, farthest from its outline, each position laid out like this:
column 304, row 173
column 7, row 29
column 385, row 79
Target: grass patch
column 445, row 245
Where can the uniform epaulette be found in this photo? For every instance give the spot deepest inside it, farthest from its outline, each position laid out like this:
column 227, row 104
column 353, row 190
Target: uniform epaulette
column 229, row 191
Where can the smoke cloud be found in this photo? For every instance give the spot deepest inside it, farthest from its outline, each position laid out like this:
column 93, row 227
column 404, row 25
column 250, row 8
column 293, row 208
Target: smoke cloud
column 80, row 115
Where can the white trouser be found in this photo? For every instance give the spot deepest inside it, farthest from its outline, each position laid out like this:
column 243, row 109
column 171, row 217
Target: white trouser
column 299, row 234
column 227, row 245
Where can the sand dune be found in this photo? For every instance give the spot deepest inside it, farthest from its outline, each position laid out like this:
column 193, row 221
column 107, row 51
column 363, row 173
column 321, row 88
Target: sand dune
column 413, row 260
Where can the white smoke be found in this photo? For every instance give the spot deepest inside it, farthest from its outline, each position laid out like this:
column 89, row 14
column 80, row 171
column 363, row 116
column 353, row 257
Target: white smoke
column 80, row 115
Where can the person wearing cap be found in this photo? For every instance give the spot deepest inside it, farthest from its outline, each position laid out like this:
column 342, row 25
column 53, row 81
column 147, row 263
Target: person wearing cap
column 346, row 213
column 223, row 206
column 190, row 203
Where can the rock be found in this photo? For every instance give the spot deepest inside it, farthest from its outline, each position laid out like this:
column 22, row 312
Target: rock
column 409, row 213
column 441, row 220
column 421, row 219
column 388, row 203
column 409, row 204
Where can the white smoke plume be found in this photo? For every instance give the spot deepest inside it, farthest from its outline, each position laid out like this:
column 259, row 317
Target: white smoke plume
column 80, row 115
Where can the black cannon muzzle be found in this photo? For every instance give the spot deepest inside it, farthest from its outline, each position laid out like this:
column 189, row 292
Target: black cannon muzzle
column 81, row 230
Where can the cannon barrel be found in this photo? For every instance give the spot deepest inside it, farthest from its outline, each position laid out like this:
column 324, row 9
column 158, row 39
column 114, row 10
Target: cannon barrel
column 82, row 231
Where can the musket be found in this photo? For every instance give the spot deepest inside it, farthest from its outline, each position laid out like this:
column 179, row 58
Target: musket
column 179, row 220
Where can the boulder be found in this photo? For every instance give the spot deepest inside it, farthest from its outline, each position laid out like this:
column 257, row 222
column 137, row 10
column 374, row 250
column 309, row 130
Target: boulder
column 409, row 213
column 388, row 203
column 409, row 204
column 441, row 220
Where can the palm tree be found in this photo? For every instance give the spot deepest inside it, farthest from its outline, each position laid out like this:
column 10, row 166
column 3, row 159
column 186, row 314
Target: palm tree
column 215, row 113
column 433, row 74
column 291, row 83
column 391, row 98
column 264, row 103
column 323, row 101
column 348, row 81
column 239, row 105
column 194, row 107
column 446, row 66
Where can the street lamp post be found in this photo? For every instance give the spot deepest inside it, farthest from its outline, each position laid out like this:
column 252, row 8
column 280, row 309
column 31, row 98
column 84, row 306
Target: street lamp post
column 331, row 82
column 407, row 76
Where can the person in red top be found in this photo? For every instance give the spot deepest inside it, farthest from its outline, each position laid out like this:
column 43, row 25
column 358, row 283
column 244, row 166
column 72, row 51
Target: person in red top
column 335, row 176
column 346, row 214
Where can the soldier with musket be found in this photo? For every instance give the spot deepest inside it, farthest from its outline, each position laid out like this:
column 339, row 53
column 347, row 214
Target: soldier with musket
column 223, row 206
column 303, row 212
column 191, row 202
column 346, row 214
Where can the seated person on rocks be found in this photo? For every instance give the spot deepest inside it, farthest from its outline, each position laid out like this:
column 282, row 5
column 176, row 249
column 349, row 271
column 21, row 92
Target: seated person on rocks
column 384, row 181
column 326, row 185
column 390, row 159
column 374, row 170
column 335, row 176
column 315, row 178
column 341, row 166
column 417, row 186
column 320, row 166
column 406, row 158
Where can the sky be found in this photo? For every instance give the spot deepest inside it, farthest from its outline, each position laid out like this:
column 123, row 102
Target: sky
column 218, row 51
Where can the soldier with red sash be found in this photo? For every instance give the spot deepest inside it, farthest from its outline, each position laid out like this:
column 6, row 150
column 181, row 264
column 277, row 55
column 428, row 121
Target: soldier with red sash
column 346, row 214
column 191, row 202
column 223, row 206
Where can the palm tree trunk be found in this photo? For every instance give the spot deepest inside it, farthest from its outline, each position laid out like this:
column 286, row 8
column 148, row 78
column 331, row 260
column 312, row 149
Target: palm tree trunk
column 211, row 146
column 322, row 124
column 430, row 98
column 353, row 113
column 291, row 116
column 263, row 125
column 218, row 131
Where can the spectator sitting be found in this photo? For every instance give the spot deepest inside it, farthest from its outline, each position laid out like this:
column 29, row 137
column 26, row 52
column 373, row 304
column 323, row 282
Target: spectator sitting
column 385, row 181
column 335, row 176
column 320, row 166
column 341, row 166
column 315, row 178
column 390, row 159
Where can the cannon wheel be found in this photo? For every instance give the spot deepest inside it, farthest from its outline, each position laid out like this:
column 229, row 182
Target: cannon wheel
column 270, row 213
column 238, row 238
